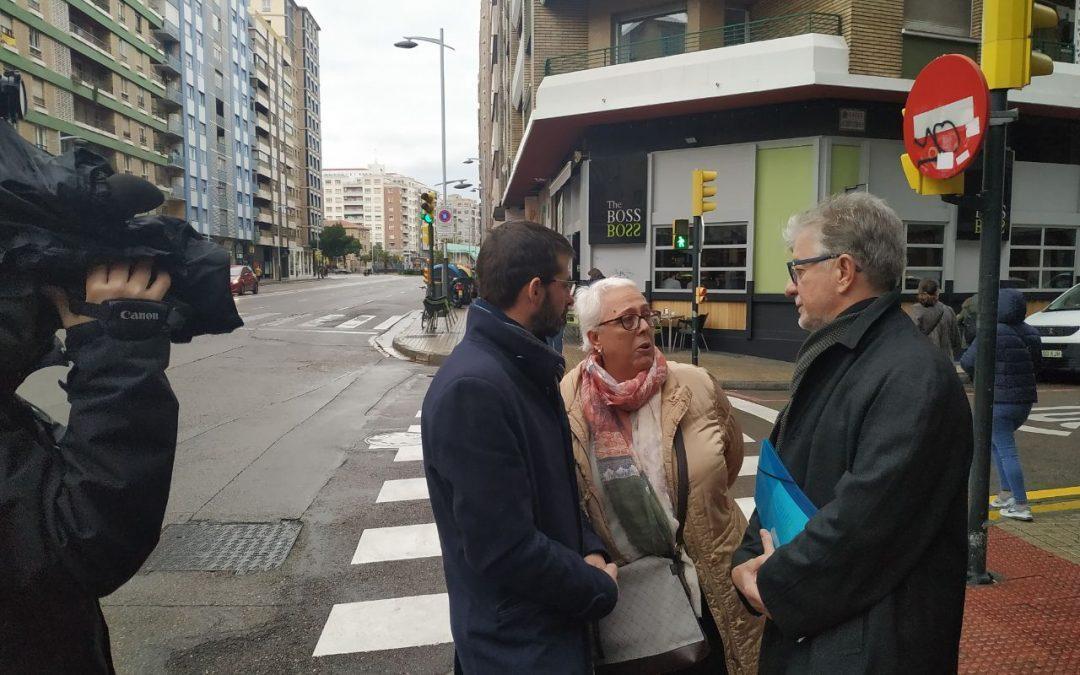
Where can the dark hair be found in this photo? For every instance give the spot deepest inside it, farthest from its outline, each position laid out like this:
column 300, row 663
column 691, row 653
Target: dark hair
column 513, row 255
column 928, row 289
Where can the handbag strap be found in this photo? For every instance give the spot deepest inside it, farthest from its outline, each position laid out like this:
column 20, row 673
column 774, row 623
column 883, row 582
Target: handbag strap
column 682, row 484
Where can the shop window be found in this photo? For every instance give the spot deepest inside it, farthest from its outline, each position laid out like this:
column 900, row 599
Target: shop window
column 1043, row 258
column 925, row 254
column 724, row 260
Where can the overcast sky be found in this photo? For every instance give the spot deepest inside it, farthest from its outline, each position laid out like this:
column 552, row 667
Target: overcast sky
column 381, row 103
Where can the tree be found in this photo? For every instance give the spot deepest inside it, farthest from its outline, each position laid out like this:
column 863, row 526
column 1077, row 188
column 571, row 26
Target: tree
column 335, row 243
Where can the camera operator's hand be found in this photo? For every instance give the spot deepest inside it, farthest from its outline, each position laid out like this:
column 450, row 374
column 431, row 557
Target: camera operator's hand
column 118, row 281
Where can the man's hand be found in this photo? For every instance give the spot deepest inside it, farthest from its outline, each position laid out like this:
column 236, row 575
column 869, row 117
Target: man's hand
column 597, row 561
column 118, row 281
column 744, row 576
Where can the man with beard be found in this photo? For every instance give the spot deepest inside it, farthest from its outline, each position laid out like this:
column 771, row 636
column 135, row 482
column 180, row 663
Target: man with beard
column 524, row 570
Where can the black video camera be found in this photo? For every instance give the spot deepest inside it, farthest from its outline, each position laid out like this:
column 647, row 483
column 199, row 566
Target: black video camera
column 62, row 215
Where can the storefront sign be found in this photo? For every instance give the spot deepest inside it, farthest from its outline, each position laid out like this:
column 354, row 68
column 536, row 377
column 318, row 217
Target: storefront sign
column 617, row 200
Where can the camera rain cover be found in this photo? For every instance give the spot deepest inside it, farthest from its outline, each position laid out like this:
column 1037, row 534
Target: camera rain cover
column 59, row 217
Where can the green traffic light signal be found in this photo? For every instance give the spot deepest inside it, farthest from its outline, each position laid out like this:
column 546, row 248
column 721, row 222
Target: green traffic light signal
column 681, row 243
column 680, row 235
column 426, row 217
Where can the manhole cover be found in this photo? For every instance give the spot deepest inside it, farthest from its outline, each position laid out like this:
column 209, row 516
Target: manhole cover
column 231, row 547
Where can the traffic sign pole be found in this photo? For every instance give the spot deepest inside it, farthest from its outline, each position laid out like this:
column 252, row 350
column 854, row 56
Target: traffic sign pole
column 986, row 341
column 695, row 237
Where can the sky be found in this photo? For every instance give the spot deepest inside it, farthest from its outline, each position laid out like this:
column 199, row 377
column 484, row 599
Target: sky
column 381, row 103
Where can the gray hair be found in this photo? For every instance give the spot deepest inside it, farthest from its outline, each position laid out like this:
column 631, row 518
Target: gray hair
column 861, row 225
column 589, row 304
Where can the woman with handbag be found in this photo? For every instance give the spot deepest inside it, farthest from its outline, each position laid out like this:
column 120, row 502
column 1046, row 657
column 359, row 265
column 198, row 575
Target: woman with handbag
column 657, row 448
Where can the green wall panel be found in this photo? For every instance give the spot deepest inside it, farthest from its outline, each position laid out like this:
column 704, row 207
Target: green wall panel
column 845, row 169
column 784, row 186
column 34, row 117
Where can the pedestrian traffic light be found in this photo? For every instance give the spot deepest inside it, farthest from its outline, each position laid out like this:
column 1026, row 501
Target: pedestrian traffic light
column 699, row 295
column 699, row 191
column 1007, row 57
column 680, row 235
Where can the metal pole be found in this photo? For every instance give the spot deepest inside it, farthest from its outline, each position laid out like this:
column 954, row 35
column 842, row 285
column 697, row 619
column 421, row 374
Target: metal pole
column 696, row 236
column 989, row 273
column 277, row 246
column 442, row 105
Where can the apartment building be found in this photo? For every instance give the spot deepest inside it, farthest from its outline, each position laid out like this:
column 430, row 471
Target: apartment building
column 464, row 220
column 105, row 72
column 594, row 113
column 298, row 28
column 387, row 203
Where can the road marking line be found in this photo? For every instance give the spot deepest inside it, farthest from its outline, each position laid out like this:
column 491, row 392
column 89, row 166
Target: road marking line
column 749, row 466
column 256, row 317
column 284, row 320
column 746, row 439
column 355, row 323
column 409, row 453
column 395, row 623
column 389, row 322
column 747, row 505
column 1045, row 432
column 1043, row 508
column 1052, row 493
column 315, row 323
column 419, row 413
column 755, row 409
column 414, row 429
column 316, row 330
column 406, row 542
column 403, row 490
column 342, row 309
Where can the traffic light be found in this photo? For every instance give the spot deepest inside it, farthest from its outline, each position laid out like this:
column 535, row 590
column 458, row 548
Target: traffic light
column 1007, row 59
column 699, row 191
column 924, row 185
column 699, row 295
column 680, row 235
column 427, row 207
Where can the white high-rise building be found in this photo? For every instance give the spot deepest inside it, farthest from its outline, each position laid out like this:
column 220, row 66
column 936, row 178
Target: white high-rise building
column 386, row 202
column 464, row 220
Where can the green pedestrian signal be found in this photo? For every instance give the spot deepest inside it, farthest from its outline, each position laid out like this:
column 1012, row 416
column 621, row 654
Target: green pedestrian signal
column 680, row 235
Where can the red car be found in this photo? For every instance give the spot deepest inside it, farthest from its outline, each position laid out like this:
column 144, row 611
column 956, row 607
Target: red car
column 243, row 279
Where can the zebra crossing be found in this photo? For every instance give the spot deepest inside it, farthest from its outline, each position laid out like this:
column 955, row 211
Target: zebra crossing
column 394, row 623
column 343, row 321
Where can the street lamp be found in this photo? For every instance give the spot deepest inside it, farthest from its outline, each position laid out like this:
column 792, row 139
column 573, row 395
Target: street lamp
column 470, row 160
column 459, row 184
column 408, row 43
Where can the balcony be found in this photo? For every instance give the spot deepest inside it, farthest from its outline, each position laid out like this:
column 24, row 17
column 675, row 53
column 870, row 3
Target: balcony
column 171, row 100
column 103, row 5
column 726, row 36
column 169, row 65
column 264, row 194
column 168, row 33
column 93, row 80
column 90, row 37
column 174, row 160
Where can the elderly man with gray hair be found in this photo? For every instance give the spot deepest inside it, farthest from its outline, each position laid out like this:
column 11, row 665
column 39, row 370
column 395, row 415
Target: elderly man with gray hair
column 878, row 436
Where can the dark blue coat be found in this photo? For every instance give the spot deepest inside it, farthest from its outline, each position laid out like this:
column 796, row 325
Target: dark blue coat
column 501, row 476
column 1018, row 352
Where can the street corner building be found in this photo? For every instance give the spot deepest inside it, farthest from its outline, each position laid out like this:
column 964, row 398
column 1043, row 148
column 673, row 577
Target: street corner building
column 594, row 113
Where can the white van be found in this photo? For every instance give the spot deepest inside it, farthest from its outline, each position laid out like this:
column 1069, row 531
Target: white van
column 1059, row 326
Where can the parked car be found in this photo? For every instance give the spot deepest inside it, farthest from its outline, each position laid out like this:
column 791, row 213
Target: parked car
column 1059, row 326
column 243, row 279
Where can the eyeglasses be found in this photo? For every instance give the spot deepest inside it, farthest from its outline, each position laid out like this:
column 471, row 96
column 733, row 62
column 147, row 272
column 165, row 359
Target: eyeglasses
column 571, row 284
column 631, row 322
column 794, row 273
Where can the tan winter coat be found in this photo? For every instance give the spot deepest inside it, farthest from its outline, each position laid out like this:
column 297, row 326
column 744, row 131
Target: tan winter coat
column 695, row 403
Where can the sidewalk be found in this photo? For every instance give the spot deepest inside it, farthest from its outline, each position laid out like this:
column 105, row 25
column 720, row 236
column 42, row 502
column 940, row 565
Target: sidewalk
column 430, row 348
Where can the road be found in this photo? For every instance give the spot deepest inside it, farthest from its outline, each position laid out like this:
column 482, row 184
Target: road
column 298, row 429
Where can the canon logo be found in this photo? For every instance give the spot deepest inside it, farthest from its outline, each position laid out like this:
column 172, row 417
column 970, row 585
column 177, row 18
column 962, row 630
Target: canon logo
column 128, row 315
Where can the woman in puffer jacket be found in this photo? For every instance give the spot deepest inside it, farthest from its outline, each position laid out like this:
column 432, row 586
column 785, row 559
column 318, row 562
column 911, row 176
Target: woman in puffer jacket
column 1017, row 361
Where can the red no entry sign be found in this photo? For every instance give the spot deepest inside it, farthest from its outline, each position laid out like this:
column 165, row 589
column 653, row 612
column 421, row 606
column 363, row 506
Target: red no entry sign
column 444, row 216
column 945, row 119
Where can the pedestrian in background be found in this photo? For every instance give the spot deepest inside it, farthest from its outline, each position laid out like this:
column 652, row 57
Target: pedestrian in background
column 595, row 275
column 968, row 318
column 525, row 572
column 627, row 405
column 875, row 582
column 936, row 320
column 1017, row 358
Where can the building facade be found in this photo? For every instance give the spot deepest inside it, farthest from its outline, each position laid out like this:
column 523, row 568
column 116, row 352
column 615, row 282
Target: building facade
column 595, row 113
column 105, row 72
column 297, row 27
column 387, row 203
column 464, row 220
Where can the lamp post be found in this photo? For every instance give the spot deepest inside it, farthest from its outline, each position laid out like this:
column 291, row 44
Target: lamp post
column 408, row 43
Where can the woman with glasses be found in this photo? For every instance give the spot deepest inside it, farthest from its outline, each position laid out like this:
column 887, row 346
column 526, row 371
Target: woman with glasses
column 626, row 406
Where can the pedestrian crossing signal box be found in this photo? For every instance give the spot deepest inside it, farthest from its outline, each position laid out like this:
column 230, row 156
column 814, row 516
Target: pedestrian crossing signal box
column 680, row 235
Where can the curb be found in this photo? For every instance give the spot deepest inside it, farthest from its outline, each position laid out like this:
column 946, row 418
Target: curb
column 429, row 358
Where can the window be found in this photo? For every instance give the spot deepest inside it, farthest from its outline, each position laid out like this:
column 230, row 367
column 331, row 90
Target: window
column 121, row 13
column 7, row 31
column 723, row 260
column 41, row 138
column 35, row 43
column 38, row 88
column 124, row 94
column 648, row 36
column 925, row 254
column 267, row 5
column 123, row 50
column 946, row 17
column 1043, row 257
column 138, row 23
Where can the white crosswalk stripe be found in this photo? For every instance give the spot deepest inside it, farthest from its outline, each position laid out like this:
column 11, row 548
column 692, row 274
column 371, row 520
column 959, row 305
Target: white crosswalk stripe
column 409, row 453
column 414, row 429
column 395, row 623
column 355, row 323
column 258, row 317
column 403, row 490
column 322, row 321
column 746, row 504
column 285, row 319
column 389, row 322
column 404, row 542
column 749, row 466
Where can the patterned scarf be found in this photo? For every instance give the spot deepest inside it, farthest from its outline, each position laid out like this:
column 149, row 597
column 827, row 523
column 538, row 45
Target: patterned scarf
column 628, row 489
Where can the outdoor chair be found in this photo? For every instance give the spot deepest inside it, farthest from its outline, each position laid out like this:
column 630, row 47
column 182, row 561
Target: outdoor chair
column 686, row 332
column 435, row 308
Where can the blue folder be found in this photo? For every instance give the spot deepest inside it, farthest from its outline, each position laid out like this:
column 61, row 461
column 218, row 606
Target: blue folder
column 782, row 507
